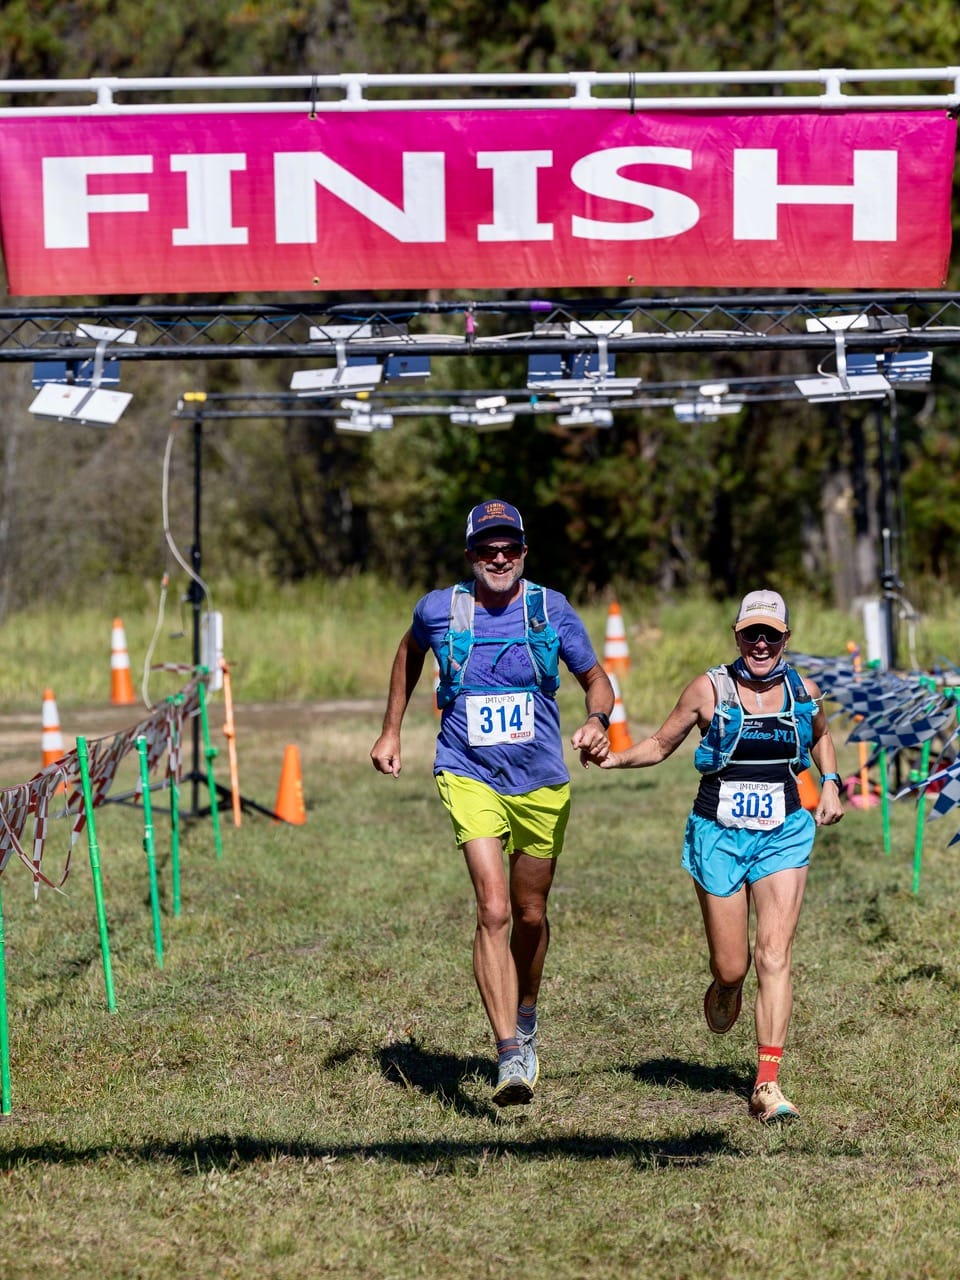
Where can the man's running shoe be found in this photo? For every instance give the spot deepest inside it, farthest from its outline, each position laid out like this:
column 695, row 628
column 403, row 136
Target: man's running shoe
column 513, row 1087
column 721, row 1006
column 528, row 1051
column 769, row 1105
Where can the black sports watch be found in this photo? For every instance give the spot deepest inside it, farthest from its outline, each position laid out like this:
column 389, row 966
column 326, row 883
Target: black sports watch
column 601, row 716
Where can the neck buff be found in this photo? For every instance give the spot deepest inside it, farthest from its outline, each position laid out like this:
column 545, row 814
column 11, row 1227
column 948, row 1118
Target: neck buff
column 741, row 671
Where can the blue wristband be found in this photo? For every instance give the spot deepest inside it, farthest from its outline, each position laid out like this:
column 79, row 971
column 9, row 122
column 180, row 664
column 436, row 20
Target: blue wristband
column 830, row 777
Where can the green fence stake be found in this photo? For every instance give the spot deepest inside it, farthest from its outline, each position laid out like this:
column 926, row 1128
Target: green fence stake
column 917, row 775
column 884, row 799
column 176, row 699
column 4, row 1036
column 210, row 754
column 83, row 760
column 150, row 849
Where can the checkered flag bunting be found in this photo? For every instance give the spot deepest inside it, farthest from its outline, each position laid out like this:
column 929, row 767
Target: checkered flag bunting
column 895, row 713
column 948, row 795
column 946, row 784
column 905, row 727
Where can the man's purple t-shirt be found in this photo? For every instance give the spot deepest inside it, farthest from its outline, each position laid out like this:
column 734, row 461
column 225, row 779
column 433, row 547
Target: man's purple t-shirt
column 510, row 767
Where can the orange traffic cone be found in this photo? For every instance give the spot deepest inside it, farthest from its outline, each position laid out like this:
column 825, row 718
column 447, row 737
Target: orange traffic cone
column 121, row 681
column 618, row 733
column 51, row 737
column 289, row 804
column 809, row 791
column 616, row 655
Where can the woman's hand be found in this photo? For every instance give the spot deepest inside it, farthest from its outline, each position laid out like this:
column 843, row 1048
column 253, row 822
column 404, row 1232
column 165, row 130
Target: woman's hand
column 829, row 810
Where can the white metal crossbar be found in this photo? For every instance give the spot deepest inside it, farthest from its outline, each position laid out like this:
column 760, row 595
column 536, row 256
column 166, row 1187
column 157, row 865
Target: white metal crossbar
column 827, row 89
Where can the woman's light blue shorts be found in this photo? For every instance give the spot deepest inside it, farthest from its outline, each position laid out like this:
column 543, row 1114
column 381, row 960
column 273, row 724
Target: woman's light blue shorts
column 724, row 859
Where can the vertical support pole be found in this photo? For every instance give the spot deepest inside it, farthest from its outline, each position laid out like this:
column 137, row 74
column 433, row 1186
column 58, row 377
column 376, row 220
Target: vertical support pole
column 175, row 814
column 883, row 765
column 899, row 506
column 83, row 759
column 149, row 849
column 889, row 577
column 5, row 1103
column 864, row 754
column 195, row 592
column 209, row 752
column 864, row 773
column 230, row 733
column 917, row 775
column 884, row 798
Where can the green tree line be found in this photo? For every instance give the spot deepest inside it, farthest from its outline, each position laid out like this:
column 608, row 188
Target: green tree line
column 786, row 492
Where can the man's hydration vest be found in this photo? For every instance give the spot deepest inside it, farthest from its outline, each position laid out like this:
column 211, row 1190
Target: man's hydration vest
column 541, row 641
column 723, row 734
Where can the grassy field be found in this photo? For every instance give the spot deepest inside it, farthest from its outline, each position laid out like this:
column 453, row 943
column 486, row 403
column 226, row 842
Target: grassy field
column 319, row 640
column 303, row 1088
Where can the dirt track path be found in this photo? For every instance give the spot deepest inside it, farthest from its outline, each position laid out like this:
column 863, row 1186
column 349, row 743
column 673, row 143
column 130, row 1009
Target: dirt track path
column 260, row 726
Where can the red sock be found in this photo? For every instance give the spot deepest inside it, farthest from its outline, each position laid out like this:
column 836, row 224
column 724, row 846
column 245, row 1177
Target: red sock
column 768, row 1062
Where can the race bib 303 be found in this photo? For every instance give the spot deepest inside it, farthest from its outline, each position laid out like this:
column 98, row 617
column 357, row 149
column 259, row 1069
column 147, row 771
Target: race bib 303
column 755, row 806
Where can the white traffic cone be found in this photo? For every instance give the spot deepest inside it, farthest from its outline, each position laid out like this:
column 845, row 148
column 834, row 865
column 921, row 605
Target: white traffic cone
column 51, row 737
column 121, row 681
column 616, row 655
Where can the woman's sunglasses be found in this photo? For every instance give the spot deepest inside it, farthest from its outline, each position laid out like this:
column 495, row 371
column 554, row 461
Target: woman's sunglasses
column 753, row 635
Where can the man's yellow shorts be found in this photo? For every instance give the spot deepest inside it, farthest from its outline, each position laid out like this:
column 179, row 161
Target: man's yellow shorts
column 533, row 823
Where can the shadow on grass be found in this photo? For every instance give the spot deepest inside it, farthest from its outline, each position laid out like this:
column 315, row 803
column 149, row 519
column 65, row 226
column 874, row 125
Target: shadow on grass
column 216, row 1152
column 441, row 1075
column 438, row 1075
column 670, row 1072
column 928, row 972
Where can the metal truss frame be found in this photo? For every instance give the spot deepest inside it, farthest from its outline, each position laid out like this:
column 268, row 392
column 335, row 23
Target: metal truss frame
column 732, row 323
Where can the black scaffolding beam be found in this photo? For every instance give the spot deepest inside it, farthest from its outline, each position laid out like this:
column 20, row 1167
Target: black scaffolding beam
column 687, row 323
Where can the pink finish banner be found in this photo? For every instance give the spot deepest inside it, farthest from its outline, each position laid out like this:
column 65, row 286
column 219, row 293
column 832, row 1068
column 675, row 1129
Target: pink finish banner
column 512, row 199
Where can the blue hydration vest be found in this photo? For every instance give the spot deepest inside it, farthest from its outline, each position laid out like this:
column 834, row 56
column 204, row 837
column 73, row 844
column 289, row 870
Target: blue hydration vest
column 541, row 641
column 723, row 734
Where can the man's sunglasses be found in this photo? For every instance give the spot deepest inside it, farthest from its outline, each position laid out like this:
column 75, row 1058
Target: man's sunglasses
column 509, row 551
column 753, row 635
